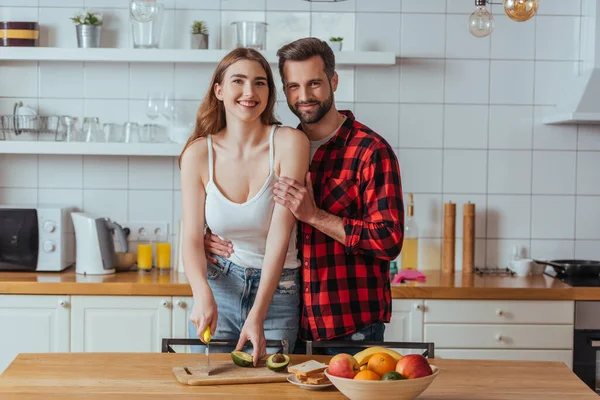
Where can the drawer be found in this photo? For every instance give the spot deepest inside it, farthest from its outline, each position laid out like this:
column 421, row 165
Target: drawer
column 499, row 312
column 499, row 336
column 565, row 356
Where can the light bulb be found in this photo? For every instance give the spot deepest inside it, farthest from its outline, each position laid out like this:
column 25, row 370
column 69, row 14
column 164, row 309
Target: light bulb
column 481, row 22
column 521, row 10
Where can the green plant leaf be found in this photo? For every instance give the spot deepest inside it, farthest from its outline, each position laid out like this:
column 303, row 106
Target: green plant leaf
column 88, row 18
column 199, row 28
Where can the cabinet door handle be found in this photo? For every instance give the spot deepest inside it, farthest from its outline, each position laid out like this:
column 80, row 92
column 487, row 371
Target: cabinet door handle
column 499, row 337
column 165, row 303
column 418, row 306
column 180, row 303
column 63, row 303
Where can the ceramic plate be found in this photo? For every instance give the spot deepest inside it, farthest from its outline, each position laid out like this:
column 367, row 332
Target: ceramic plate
column 292, row 379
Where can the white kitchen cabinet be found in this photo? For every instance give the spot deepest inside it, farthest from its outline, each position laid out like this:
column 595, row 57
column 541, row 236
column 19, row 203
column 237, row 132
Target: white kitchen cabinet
column 499, row 312
column 500, row 330
column 32, row 324
column 182, row 307
column 474, row 336
column 406, row 324
column 120, row 323
column 565, row 356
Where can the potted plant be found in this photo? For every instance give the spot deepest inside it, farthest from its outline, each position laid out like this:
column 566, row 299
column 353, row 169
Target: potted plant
column 199, row 35
column 88, row 25
column 336, row 43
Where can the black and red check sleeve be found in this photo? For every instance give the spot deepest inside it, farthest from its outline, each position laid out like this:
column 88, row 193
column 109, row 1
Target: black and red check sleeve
column 380, row 232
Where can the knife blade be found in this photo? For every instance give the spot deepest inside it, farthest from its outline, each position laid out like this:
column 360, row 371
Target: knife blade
column 207, row 352
column 206, row 337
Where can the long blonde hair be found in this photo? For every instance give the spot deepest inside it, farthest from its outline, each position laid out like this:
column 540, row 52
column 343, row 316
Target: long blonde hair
column 210, row 117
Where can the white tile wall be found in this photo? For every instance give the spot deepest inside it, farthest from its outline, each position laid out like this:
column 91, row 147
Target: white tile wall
column 467, row 81
column 552, row 217
column 459, row 135
column 463, row 114
column 465, row 171
column 509, row 172
column 511, row 127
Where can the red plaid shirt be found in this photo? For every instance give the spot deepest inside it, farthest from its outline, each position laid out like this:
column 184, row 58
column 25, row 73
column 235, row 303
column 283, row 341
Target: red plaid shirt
column 346, row 287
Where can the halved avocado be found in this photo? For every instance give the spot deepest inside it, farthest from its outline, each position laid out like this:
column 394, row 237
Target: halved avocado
column 278, row 362
column 242, row 359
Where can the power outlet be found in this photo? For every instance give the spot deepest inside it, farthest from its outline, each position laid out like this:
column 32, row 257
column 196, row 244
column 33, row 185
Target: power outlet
column 149, row 230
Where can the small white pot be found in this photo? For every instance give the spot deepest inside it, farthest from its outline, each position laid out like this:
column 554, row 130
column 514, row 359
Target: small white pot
column 336, row 46
column 199, row 41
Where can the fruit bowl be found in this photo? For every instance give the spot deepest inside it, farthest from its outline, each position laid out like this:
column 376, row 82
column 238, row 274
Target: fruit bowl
column 405, row 389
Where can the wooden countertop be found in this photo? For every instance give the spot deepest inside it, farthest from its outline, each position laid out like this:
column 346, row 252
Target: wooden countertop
column 437, row 286
column 93, row 376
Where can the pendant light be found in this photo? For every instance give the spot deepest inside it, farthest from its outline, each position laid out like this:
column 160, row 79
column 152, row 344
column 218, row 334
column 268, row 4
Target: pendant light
column 481, row 21
column 521, row 10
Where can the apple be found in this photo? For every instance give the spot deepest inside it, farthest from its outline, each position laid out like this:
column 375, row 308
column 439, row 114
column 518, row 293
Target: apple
column 413, row 366
column 343, row 365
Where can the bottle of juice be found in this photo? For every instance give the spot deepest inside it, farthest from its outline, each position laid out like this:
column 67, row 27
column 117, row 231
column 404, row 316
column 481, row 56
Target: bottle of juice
column 410, row 248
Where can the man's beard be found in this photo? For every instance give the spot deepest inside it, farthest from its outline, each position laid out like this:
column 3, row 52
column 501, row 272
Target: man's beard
column 314, row 116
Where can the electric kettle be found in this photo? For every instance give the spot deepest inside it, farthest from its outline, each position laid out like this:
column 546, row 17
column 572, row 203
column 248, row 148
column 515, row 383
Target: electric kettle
column 96, row 253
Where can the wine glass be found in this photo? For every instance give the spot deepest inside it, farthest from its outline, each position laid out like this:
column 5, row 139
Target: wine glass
column 153, row 105
column 168, row 107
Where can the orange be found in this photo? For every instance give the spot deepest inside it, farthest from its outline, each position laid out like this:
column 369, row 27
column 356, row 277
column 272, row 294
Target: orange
column 381, row 364
column 367, row 375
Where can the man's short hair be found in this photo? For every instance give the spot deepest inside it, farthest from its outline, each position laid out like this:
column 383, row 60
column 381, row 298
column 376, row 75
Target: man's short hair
column 304, row 49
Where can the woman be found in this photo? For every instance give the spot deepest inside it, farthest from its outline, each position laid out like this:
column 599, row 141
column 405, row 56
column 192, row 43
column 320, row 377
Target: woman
column 228, row 168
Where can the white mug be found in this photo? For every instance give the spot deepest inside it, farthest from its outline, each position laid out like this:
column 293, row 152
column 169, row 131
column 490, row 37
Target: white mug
column 522, row 267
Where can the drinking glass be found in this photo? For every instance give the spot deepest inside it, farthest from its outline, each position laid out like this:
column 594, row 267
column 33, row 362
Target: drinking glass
column 148, row 133
column 91, row 129
column 131, row 132
column 163, row 250
column 113, row 133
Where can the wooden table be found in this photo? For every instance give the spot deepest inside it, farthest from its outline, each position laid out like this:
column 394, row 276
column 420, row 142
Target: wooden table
column 92, row 376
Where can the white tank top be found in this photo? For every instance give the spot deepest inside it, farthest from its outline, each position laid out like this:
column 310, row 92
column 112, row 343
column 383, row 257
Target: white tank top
column 246, row 225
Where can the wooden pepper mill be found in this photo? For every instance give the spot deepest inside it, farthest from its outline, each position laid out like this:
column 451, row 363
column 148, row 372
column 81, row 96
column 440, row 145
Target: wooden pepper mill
column 448, row 246
column 468, row 255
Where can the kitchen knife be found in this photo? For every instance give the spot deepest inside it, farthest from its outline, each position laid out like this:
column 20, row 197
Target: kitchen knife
column 206, row 338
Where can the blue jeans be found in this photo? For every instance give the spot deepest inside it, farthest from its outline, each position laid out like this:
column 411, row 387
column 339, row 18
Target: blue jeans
column 235, row 288
column 371, row 333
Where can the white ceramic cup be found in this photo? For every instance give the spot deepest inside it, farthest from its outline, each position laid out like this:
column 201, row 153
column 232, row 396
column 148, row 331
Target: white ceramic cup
column 523, row 267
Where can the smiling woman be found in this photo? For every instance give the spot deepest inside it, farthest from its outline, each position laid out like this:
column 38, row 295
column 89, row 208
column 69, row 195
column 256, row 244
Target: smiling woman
column 229, row 167
column 211, row 115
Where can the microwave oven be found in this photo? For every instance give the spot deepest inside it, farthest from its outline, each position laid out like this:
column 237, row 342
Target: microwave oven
column 36, row 239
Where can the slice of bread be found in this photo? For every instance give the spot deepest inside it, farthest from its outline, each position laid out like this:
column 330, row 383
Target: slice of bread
column 317, row 381
column 309, row 368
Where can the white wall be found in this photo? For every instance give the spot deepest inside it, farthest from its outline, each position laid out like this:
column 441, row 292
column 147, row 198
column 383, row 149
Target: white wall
column 462, row 113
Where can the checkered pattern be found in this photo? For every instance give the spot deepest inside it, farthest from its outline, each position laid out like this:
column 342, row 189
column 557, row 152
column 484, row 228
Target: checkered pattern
column 355, row 176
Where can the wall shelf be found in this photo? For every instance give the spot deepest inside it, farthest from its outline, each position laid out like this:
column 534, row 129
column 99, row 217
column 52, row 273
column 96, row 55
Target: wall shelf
column 81, row 148
column 169, row 55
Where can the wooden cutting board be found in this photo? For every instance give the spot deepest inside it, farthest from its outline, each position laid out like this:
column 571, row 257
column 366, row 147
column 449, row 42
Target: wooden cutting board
column 227, row 373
